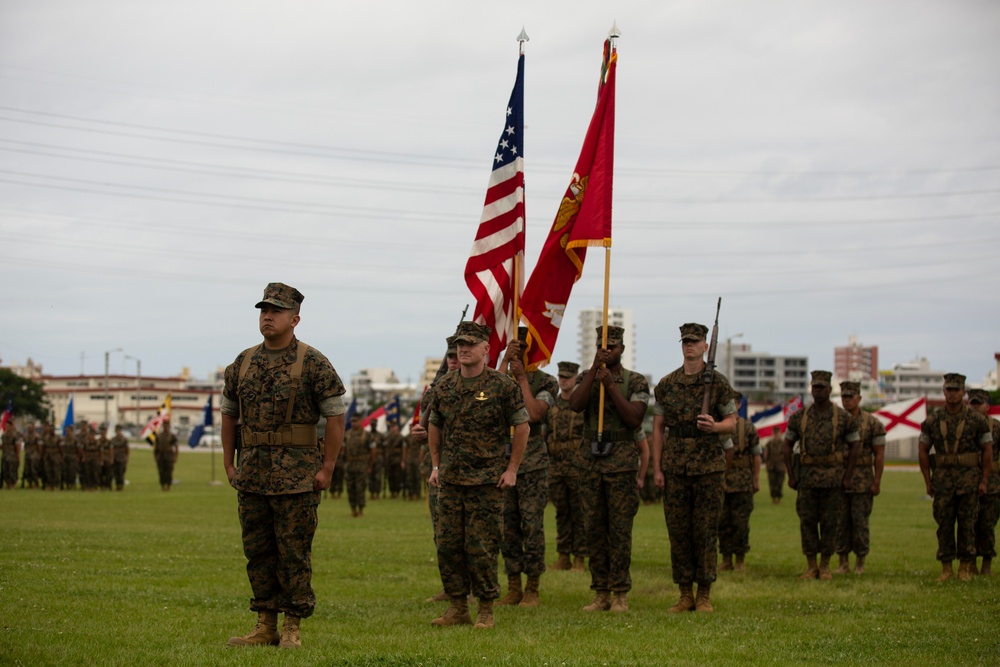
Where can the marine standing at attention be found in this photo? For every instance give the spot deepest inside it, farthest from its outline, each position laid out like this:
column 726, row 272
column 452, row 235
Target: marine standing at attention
column 275, row 394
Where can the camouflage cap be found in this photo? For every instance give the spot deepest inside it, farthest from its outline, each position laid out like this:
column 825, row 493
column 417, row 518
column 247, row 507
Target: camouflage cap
column 616, row 334
column 568, row 369
column 693, row 331
column 470, row 332
column 979, row 396
column 954, row 381
column 848, row 388
column 821, row 377
column 281, row 296
column 737, row 398
column 452, row 345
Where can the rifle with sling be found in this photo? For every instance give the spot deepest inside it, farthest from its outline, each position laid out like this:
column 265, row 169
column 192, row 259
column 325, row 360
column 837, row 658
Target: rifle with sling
column 709, row 374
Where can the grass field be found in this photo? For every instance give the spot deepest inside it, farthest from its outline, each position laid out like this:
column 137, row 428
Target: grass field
column 144, row 577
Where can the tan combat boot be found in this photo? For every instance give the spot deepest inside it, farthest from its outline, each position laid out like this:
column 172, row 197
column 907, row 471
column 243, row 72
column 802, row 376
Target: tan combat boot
column 859, row 565
column 530, row 598
column 562, row 563
column 824, row 568
column 844, row 566
column 264, row 633
column 740, row 563
column 440, row 596
column 514, row 592
column 727, row 563
column 686, row 601
column 578, row 564
column 973, row 570
column 619, row 603
column 290, row 632
column 947, row 570
column 812, row 570
column 987, row 569
column 457, row 613
column 964, row 571
column 702, row 602
column 601, row 602
column 484, row 616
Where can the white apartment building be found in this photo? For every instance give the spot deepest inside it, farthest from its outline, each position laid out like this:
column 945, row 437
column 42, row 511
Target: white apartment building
column 590, row 319
column 760, row 372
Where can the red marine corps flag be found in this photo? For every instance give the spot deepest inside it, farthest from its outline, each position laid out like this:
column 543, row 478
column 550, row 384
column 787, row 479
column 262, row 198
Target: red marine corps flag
column 493, row 270
column 583, row 220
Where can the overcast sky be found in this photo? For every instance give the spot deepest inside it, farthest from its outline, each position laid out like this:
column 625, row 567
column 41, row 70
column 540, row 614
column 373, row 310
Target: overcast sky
column 828, row 169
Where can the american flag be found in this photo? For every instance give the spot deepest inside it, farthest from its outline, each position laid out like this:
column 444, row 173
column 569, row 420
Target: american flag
column 489, row 273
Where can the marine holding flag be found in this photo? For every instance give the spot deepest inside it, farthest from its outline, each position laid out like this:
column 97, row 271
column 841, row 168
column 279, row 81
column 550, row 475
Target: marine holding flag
column 583, row 219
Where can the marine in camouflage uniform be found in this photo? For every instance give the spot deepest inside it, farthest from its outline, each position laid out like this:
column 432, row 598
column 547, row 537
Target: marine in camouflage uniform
column 413, row 479
column 565, row 431
column 866, row 482
column 90, row 460
column 691, row 464
column 165, row 453
column 376, row 473
column 742, row 482
column 395, row 465
column 32, row 472
column 104, row 445
column 989, row 504
column 963, row 452
column 825, row 440
column 70, row 459
column 10, row 457
column 119, row 458
column 475, row 409
column 359, row 454
column 51, row 458
column 277, row 392
column 774, row 462
column 523, row 542
column 612, row 461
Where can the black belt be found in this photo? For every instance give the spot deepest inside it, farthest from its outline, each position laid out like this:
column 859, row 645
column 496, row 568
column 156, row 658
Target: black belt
column 688, row 431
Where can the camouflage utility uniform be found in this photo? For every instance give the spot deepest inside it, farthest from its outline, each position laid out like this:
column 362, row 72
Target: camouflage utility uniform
column 119, row 459
column 394, row 445
column 734, row 524
column 858, row 498
column 774, row 462
column 377, row 472
column 608, row 485
column 523, row 542
column 957, row 441
column 10, row 459
column 51, row 458
column 989, row 504
column 357, row 463
column 693, row 464
column 70, row 459
column 90, row 459
column 32, row 458
column 276, row 500
column 823, row 449
column 565, row 432
column 475, row 416
column 165, row 453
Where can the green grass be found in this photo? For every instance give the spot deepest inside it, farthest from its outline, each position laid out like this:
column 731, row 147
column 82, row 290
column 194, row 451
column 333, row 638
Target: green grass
column 150, row 578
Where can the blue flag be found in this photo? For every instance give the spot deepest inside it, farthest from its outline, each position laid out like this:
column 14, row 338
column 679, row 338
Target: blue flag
column 351, row 409
column 741, row 411
column 68, row 421
column 392, row 411
column 206, row 420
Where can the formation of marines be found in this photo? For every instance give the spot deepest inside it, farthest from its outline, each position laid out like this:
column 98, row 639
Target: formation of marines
column 495, row 446
column 82, row 458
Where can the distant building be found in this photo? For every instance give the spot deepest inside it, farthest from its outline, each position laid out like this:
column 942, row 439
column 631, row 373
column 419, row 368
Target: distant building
column 764, row 375
column 855, row 361
column 431, row 366
column 911, row 380
column 590, row 319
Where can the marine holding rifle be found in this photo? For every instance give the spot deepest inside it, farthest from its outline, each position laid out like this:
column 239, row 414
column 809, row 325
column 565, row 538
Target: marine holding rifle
column 613, row 467
column 694, row 404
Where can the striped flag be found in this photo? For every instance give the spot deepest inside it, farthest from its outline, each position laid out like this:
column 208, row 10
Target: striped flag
column 153, row 427
column 489, row 273
column 8, row 414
